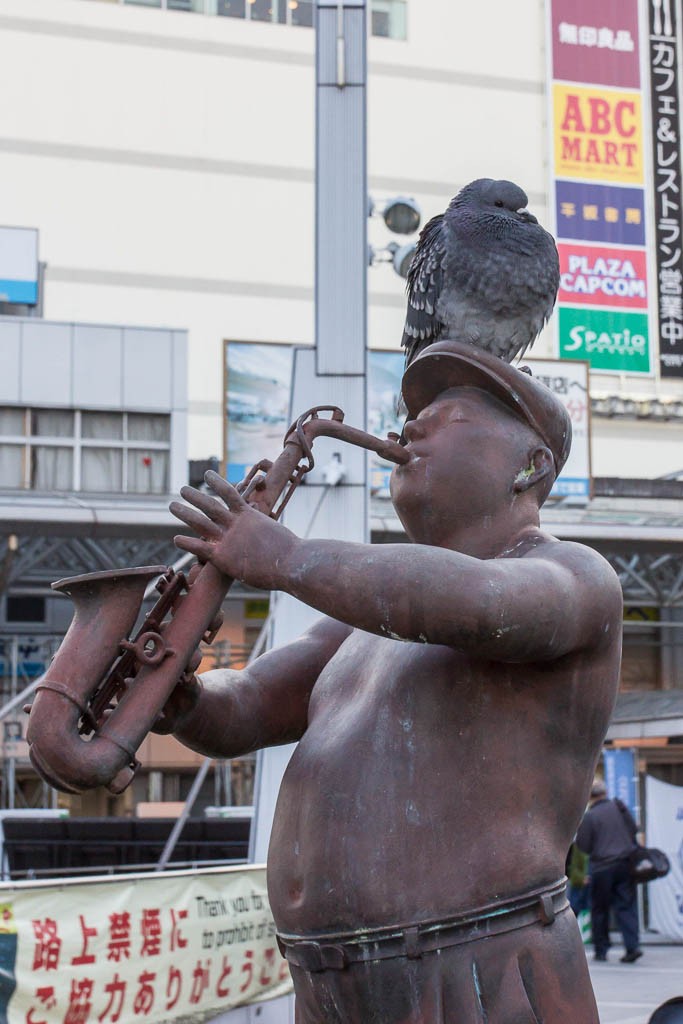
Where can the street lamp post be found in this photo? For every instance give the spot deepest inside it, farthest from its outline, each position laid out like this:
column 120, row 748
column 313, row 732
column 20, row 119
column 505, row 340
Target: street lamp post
column 334, row 370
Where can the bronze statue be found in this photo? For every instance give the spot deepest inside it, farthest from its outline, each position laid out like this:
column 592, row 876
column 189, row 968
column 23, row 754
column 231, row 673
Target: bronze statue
column 450, row 709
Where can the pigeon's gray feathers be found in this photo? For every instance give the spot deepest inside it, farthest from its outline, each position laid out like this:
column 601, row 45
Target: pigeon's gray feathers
column 484, row 272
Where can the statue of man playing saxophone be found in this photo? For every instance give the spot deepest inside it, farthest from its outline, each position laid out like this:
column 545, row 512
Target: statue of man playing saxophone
column 450, row 707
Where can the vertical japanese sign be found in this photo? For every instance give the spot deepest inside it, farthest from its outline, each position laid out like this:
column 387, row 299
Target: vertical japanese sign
column 598, row 162
column 178, row 945
column 621, row 777
column 663, row 53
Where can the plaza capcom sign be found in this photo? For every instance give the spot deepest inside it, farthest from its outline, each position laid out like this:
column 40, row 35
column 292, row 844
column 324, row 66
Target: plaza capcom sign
column 597, row 275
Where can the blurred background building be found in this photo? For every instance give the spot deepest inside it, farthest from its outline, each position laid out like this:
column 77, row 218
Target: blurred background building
column 163, row 151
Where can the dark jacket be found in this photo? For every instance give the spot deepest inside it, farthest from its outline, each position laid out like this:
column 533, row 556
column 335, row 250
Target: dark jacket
column 607, row 833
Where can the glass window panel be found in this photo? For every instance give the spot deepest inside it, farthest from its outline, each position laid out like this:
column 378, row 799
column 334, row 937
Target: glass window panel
column 301, row 12
column 25, row 609
column 231, row 8
column 380, row 23
column 398, row 20
column 389, row 18
column 147, row 472
column 145, row 427
column 144, row 3
column 52, row 468
column 11, row 422
column 262, row 10
column 101, row 469
column 11, row 465
column 52, row 423
column 104, row 426
column 186, row 5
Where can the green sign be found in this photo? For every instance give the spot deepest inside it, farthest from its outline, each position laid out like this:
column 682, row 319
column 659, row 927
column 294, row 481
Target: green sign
column 608, row 339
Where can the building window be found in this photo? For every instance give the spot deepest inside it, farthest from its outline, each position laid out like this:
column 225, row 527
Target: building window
column 81, row 450
column 387, row 17
column 25, row 609
column 300, row 12
column 232, row 8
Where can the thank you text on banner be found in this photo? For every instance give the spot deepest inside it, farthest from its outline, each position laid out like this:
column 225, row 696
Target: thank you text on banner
column 153, row 948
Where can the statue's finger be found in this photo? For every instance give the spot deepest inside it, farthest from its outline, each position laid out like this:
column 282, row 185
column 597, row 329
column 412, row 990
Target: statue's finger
column 200, row 523
column 199, row 548
column 223, row 489
column 209, row 505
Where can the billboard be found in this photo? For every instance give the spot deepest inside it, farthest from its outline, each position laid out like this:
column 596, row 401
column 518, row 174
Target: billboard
column 610, row 340
column 594, row 41
column 569, row 382
column 664, row 56
column 257, row 396
column 600, row 213
column 599, row 164
column 598, row 134
column 598, row 274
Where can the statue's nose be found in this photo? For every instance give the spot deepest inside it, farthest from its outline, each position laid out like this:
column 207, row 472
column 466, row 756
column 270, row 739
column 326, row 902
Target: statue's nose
column 412, row 430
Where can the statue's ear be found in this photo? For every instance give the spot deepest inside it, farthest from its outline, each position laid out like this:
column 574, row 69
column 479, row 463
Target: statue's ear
column 540, row 466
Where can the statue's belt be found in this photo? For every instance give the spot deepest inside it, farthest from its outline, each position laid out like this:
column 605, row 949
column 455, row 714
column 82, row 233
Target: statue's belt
column 335, row 951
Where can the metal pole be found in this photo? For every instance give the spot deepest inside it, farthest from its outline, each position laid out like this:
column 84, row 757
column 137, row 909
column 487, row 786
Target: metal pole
column 335, row 370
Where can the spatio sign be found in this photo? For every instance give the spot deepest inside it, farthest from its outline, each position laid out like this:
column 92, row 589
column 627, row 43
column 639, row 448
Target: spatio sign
column 609, row 339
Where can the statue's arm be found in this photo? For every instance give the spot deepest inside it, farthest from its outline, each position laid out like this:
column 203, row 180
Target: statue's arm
column 557, row 598
column 532, row 608
column 266, row 704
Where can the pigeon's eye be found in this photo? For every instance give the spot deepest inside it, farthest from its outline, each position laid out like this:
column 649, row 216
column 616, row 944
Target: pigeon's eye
column 499, row 202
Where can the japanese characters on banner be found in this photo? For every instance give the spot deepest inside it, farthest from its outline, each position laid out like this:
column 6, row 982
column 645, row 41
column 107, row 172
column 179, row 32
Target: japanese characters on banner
column 666, row 145
column 599, row 160
column 569, row 382
column 177, row 945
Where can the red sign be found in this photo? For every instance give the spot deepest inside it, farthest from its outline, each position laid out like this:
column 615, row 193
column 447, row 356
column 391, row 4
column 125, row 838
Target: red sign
column 596, row 41
column 600, row 276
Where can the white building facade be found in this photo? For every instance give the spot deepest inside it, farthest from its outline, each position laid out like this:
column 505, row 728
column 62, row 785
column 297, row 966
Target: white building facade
column 164, row 151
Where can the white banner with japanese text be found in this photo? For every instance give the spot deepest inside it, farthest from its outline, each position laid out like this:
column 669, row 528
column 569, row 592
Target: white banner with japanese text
column 664, row 829
column 182, row 945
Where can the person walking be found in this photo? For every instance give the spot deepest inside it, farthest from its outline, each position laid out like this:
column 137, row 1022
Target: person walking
column 607, row 834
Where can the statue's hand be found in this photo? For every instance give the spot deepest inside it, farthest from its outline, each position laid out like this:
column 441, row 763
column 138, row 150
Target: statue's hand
column 238, row 540
column 183, row 700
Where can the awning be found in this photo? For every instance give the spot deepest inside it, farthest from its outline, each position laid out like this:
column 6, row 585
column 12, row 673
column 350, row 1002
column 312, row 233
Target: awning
column 642, row 714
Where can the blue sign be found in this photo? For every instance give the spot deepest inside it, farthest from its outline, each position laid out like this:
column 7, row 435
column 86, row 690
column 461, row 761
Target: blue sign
column 600, row 213
column 19, row 266
column 620, row 777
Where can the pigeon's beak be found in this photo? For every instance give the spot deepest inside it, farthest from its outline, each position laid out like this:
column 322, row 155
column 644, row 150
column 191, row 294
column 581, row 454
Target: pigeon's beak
column 526, row 216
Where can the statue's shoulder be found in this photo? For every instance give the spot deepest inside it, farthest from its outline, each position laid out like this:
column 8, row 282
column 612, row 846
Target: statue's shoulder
column 585, row 563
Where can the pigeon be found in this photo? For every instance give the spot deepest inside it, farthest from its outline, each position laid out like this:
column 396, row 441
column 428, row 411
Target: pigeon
column 484, row 272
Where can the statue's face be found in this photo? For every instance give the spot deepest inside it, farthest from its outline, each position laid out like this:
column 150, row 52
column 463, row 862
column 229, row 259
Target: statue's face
column 466, row 449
